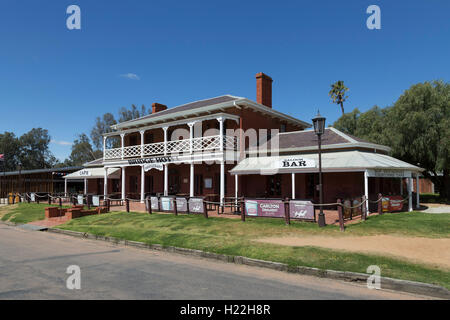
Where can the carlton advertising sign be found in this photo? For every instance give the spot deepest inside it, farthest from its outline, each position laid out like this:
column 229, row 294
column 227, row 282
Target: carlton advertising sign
column 264, row 208
column 275, row 208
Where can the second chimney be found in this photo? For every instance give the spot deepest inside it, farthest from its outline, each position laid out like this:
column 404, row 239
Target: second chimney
column 264, row 89
column 157, row 107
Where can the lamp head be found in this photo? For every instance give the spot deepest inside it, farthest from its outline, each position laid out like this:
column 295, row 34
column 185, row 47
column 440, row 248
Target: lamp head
column 319, row 124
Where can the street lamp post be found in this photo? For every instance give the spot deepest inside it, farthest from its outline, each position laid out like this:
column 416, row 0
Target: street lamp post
column 319, row 129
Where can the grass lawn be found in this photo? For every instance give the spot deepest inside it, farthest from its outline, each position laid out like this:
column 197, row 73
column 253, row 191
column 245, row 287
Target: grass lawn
column 24, row 212
column 233, row 237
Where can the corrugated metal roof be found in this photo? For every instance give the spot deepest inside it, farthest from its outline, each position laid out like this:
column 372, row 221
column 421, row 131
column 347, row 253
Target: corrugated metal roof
column 13, row 173
column 94, row 173
column 331, row 161
column 188, row 106
column 307, row 139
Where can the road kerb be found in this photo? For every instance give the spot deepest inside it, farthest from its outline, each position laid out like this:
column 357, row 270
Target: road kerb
column 386, row 283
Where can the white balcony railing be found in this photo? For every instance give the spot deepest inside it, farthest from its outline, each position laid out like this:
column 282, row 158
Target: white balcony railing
column 209, row 143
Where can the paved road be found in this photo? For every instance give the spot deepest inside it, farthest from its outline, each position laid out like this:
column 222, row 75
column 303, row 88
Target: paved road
column 33, row 266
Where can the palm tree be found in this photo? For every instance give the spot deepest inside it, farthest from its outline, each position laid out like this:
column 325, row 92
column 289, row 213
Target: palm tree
column 337, row 93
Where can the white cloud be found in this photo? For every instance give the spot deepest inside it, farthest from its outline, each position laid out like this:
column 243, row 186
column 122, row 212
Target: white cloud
column 131, row 76
column 61, row 143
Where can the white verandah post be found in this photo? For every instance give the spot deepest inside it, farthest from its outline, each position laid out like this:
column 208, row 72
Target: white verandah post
column 191, row 150
column 142, row 184
column 122, row 143
column 366, row 189
column 142, row 132
column 166, row 180
column 417, row 190
column 105, row 183
column 293, row 185
column 410, row 200
column 236, row 186
column 222, row 162
column 123, row 183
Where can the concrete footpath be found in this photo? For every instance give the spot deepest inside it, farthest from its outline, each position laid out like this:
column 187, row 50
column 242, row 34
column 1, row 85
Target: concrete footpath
column 33, row 266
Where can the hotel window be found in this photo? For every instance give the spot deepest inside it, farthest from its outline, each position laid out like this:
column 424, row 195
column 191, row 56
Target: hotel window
column 274, row 185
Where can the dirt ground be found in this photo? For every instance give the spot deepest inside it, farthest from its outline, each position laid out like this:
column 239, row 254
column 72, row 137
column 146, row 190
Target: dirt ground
column 420, row 250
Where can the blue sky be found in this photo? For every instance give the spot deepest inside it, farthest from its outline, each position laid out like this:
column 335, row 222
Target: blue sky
column 181, row 51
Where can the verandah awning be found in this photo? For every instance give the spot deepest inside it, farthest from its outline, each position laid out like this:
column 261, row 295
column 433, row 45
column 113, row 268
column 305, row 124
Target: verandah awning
column 341, row 161
column 94, row 173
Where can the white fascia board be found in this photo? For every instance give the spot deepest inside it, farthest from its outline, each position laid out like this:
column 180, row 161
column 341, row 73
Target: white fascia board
column 342, row 134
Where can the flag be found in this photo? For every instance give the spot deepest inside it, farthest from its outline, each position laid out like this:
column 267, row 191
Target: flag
column 2, row 157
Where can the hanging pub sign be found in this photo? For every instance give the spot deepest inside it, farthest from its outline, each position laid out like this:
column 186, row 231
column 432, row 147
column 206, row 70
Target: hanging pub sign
column 154, row 203
column 150, row 166
column 196, row 205
column 296, row 163
column 181, row 204
column 167, row 204
column 264, row 208
column 300, row 209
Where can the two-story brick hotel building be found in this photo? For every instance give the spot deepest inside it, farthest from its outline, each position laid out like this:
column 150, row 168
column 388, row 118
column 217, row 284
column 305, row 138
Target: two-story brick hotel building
column 231, row 146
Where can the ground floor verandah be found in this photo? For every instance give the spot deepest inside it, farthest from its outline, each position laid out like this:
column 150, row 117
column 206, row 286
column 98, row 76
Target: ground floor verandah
column 187, row 180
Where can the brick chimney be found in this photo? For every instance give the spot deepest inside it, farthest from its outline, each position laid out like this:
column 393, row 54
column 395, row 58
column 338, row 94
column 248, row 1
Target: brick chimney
column 264, row 89
column 157, row 107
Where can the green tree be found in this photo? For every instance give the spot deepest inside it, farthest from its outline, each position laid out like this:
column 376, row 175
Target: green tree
column 132, row 113
column 34, row 150
column 82, row 151
column 10, row 148
column 418, row 130
column 371, row 125
column 338, row 94
column 416, row 127
column 348, row 122
column 103, row 125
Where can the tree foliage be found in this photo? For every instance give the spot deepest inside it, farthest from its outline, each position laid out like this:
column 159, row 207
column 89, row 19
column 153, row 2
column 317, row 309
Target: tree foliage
column 416, row 127
column 29, row 151
column 10, row 148
column 102, row 125
column 132, row 113
column 82, row 151
column 338, row 94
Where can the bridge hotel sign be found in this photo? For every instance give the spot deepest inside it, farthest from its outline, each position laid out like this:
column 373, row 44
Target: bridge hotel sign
column 153, row 163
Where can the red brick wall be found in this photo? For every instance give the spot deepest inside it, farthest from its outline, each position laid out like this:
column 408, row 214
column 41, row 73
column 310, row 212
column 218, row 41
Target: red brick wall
column 335, row 185
column 425, row 186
